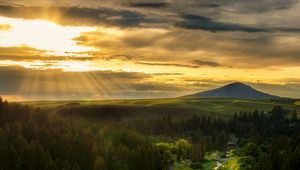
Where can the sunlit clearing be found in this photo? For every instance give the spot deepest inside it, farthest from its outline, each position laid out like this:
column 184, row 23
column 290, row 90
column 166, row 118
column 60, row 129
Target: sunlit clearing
column 42, row 35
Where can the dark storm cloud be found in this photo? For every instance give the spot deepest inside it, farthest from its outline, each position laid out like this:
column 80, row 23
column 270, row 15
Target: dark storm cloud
column 150, row 5
column 76, row 15
column 208, row 24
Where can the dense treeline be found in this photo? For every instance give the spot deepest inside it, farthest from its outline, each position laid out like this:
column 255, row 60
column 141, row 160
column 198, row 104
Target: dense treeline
column 273, row 136
column 31, row 138
column 243, row 125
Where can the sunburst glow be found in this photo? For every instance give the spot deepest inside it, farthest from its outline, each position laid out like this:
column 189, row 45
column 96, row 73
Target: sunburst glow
column 43, row 35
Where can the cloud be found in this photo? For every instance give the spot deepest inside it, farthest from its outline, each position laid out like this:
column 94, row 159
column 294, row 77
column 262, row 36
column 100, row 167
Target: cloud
column 216, row 17
column 282, row 29
column 206, row 63
column 140, row 39
column 4, row 27
column 206, row 23
column 195, row 64
column 25, row 53
column 259, row 6
column 167, row 64
column 178, row 47
column 165, row 36
column 20, row 51
column 238, row 6
column 121, row 57
column 270, row 51
column 209, row 5
column 284, row 89
column 43, row 58
column 157, row 5
column 76, row 15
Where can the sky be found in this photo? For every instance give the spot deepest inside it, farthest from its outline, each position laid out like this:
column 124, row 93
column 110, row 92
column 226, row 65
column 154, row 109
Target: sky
column 100, row 49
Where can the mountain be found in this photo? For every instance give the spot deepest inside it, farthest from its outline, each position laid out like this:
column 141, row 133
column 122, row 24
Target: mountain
column 235, row 90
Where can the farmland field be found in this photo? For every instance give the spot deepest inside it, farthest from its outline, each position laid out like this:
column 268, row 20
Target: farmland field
column 215, row 106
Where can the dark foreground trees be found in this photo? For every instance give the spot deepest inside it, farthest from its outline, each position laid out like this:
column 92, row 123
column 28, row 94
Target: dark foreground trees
column 32, row 139
column 29, row 139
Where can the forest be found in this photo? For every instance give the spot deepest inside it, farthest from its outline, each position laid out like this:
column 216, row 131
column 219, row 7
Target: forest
column 37, row 139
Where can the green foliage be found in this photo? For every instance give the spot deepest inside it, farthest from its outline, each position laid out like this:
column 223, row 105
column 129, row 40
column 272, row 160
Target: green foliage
column 178, row 152
column 251, row 149
column 37, row 142
column 32, row 138
column 246, row 163
column 183, row 149
column 278, row 114
column 165, row 151
column 196, row 165
column 99, row 163
column 183, row 165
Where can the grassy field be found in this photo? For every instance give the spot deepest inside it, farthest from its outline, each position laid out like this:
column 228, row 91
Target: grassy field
column 218, row 106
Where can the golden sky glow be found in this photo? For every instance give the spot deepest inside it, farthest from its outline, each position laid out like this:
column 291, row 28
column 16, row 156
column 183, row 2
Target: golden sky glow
column 43, row 35
column 141, row 51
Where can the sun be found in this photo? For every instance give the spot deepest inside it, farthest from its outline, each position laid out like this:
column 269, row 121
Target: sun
column 43, row 35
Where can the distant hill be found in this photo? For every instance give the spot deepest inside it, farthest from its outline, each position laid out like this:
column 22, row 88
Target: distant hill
column 235, row 90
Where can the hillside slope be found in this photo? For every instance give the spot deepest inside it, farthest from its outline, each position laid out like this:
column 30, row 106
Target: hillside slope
column 235, row 90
